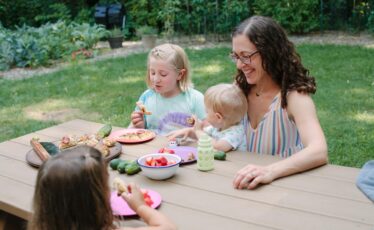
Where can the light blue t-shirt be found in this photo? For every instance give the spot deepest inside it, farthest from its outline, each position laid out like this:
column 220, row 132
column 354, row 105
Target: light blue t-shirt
column 169, row 114
column 234, row 136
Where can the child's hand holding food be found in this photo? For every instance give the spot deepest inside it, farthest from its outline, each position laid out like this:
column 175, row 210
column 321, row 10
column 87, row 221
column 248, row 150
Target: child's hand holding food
column 134, row 197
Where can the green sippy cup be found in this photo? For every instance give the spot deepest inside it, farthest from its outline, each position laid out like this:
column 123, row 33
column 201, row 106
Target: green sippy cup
column 205, row 153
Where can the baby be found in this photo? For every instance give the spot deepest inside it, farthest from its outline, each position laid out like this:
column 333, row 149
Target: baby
column 225, row 106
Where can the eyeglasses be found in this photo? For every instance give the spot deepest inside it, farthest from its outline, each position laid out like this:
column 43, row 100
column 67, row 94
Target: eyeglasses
column 246, row 58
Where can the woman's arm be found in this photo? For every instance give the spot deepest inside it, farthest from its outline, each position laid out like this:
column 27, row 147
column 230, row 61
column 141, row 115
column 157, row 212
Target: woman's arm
column 302, row 110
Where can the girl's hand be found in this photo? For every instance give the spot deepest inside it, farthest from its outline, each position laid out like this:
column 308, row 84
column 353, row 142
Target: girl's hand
column 134, row 198
column 252, row 175
column 137, row 119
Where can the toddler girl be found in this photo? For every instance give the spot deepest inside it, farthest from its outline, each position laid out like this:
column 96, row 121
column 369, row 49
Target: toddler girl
column 170, row 99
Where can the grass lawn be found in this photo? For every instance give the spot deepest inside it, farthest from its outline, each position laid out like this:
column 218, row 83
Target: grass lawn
column 106, row 92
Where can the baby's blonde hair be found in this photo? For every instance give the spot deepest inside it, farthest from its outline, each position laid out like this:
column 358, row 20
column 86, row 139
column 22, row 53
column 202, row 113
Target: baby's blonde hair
column 175, row 56
column 228, row 100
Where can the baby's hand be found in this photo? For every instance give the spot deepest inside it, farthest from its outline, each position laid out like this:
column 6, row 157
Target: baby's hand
column 184, row 133
column 134, row 198
column 199, row 125
column 137, row 119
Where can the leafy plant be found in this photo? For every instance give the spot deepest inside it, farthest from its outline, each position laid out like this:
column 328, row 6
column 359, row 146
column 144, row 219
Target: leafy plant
column 146, row 30
column 370, row 23
column 115, row 32
column 295, row 16
column 30, row 47
column 167, row 15
column 85, row 35
column 85, row 15
column 54, row 12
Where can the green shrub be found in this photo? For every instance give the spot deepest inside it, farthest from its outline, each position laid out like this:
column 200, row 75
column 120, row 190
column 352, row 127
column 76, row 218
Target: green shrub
column 30, row 47
column 85, row 15
column 295, row 16
column 146, row 30
column 54, row 13
column 360, row 16
column 370, row 23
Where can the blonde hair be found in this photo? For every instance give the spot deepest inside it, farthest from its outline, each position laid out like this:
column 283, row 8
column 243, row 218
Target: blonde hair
column 228, row 100
column 175, row 56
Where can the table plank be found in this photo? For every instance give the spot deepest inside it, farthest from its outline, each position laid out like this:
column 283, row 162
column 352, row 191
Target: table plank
column 281, row 197
column 25, row 139
column 18, row 171
column 188, row 218
column 16, row 197
column 14, row 150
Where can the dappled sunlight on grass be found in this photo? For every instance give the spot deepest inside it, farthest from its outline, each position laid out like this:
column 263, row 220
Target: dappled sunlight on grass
column 210, row 69
column 51, row 109
column 130, row 79
column 365, row 117
column 370, row 46
column 358, row 91
column 57, row 110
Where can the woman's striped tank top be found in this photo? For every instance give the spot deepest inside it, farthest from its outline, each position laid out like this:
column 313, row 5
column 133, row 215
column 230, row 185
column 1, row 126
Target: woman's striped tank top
column 276, row 134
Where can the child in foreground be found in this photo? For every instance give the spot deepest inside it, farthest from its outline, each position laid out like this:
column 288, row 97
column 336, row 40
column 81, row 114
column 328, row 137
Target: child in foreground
column 225, row 106
column 170, row 101
column 72, row 192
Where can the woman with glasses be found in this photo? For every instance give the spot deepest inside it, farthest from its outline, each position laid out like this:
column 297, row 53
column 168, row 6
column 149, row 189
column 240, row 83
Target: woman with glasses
column 281, row 118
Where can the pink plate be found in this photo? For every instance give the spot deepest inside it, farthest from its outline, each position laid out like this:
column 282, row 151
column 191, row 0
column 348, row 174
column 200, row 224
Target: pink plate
column 184, row 151
column 119, row 135
column 121, row 208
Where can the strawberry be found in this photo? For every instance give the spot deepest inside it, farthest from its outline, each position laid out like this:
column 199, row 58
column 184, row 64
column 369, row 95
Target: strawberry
column 147, row 198
column 163, row 161
column 148, row 201
column 170, row 151
column 149, row 161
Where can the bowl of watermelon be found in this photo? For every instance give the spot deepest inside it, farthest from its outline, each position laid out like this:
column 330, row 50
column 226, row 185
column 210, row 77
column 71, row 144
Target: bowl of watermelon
column 159, row 166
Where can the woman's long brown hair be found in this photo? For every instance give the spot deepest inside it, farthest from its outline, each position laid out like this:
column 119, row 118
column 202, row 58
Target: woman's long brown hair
column 279, row 57
column 72, row 192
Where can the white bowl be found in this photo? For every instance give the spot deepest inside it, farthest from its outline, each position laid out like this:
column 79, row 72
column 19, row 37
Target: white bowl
column 159, row 172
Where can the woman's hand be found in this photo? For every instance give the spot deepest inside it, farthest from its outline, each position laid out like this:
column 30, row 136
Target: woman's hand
column 252, row 175
column 137, row 120
column 134, row 198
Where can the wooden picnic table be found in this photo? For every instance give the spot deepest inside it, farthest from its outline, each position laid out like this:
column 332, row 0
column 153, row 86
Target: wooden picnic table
column 323, row 198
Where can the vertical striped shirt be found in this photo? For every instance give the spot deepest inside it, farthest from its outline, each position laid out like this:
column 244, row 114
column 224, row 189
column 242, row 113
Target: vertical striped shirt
column 276, row 134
